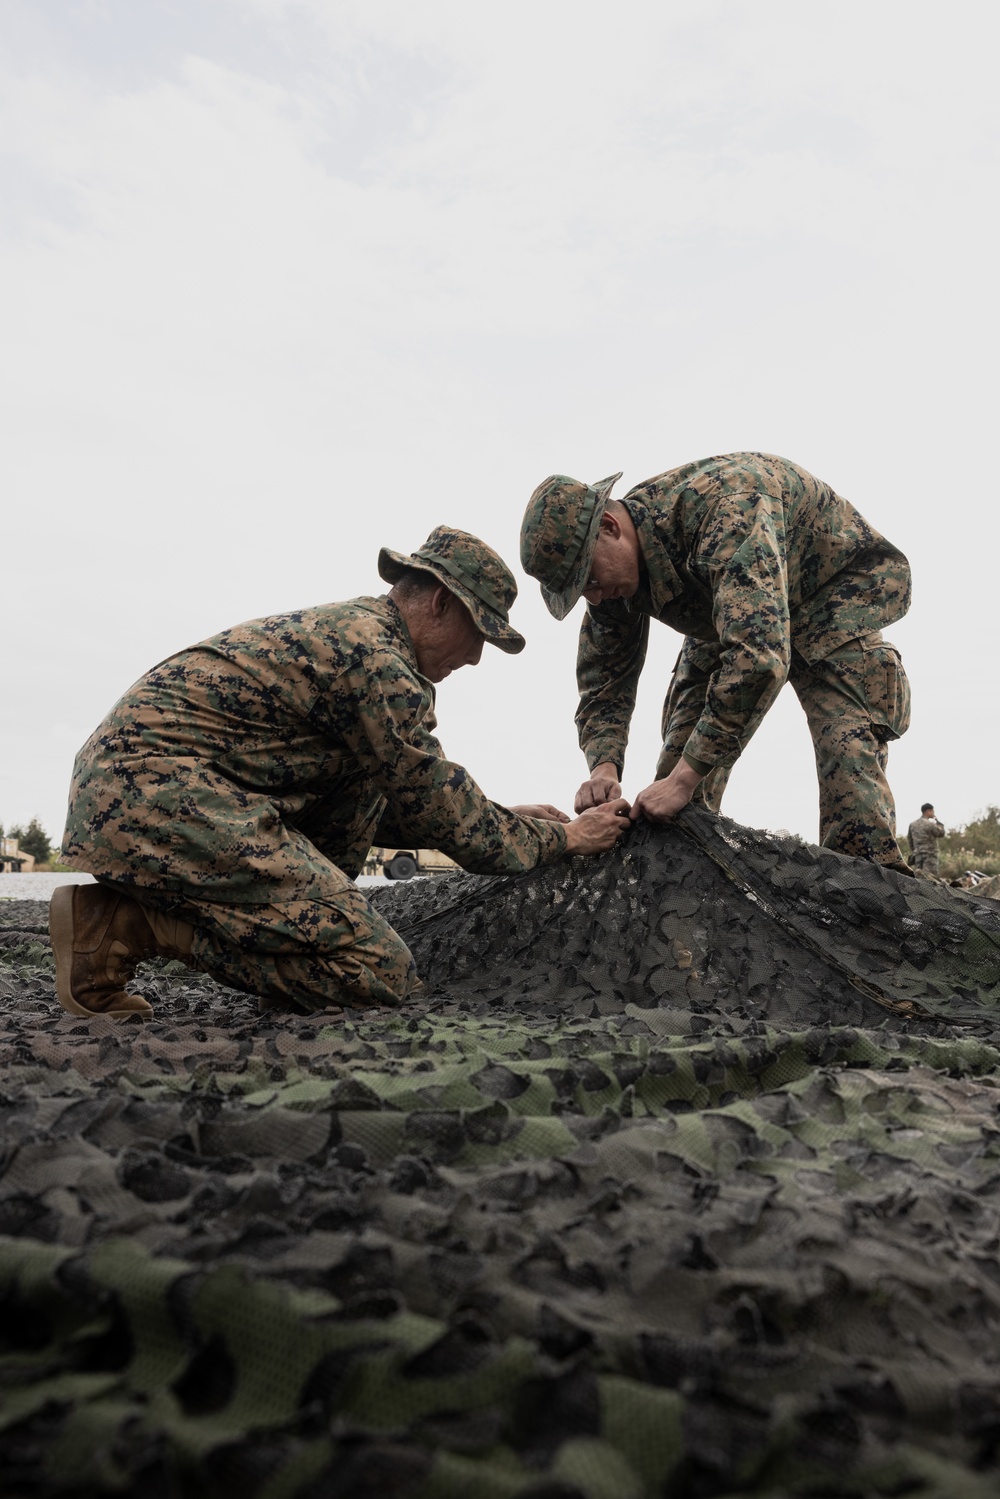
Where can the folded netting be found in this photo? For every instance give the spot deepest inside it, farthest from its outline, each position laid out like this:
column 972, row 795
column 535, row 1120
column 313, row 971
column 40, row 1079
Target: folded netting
column 702, row 914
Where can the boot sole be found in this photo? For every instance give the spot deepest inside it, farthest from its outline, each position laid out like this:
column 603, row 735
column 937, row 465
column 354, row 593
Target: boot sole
column 61, row 936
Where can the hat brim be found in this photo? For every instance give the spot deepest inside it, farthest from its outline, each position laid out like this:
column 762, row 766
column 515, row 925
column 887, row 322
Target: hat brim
column 392, row 565
column 564, row 600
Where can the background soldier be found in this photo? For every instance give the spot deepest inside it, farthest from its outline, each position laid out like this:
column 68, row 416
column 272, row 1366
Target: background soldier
column 770, row 576
column 922, row 836
column 228, row 800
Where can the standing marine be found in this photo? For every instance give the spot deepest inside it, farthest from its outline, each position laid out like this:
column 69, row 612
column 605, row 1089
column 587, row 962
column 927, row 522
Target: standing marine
column 228, row 800
column 770, row 577
column 922, row 836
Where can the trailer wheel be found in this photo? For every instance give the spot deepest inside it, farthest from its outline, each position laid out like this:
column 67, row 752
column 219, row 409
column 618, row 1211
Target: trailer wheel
column 401, row 867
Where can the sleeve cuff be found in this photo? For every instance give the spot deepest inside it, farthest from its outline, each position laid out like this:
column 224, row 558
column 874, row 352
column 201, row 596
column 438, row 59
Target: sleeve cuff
column 710, row 746
column 552, row 840
column 606, row 755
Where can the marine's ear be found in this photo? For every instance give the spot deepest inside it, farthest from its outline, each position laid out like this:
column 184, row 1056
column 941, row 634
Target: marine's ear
column 442, row 601
column 610, row 524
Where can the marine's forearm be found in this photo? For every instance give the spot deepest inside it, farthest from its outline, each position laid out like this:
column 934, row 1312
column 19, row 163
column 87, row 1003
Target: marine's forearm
column 610, row 657
column 736, row 700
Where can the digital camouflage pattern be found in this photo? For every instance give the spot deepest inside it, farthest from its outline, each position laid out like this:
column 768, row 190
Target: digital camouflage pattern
column 474, row 572
column 304, row 951
column 855, row 699
column 754, row 558
column 559, row 534
column 770, row 576
column 680, row 1179
column 239, row 785
column 922, row 837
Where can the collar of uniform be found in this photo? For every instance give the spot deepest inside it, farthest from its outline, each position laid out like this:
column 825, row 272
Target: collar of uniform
column 662, row 584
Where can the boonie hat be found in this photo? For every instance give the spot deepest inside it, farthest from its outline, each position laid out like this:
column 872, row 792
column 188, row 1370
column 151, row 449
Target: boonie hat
column 558, row 536
column 473, row 572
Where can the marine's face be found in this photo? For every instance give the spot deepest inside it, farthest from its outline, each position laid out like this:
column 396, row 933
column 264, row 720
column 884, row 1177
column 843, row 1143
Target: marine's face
column 451, row 641
column 614, row 571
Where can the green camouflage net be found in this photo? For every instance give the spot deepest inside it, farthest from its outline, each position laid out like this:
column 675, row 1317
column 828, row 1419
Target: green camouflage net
column 682, row 1179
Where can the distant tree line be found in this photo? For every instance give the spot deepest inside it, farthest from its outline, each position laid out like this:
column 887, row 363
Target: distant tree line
column 974, row 846
column 32, row 840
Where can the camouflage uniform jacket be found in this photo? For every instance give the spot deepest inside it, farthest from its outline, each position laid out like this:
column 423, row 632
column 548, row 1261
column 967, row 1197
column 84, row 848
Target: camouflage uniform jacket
column 922, row 835
column 228, row 765
column 753, row 556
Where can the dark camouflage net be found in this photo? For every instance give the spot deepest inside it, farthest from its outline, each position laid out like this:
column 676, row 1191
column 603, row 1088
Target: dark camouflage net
column 683, row 1180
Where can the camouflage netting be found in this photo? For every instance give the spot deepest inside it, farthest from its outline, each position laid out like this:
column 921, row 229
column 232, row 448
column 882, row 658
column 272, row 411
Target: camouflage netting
column 683, row 1179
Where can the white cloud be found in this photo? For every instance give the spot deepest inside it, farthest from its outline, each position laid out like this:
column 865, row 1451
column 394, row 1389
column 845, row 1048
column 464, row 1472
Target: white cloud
column 283, row 280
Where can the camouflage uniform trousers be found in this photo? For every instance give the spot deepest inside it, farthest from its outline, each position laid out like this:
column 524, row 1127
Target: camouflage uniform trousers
column 927, row 860
column 855, row 700
column 315, row 941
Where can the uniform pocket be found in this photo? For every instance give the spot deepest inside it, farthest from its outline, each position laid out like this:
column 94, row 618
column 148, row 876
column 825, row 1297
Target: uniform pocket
column 887, row 690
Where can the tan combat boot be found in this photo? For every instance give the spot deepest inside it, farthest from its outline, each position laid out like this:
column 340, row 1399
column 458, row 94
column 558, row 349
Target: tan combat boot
column 98, row 938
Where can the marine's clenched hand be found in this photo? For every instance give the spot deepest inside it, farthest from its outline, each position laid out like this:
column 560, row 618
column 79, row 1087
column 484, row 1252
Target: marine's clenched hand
column 597, row 829
column 602, row 786
column 664, row 799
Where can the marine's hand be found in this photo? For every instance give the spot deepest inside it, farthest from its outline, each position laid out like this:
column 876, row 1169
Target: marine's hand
column 664, row 799
column 603, row 786
column 542, row 810
column 597, row 829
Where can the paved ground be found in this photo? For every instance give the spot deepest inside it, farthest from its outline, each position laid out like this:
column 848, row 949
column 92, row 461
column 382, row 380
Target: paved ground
column 37, row 886
column 41, row 886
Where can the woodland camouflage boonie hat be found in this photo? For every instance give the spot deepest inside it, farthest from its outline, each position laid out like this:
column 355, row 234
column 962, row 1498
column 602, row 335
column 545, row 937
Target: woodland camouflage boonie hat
column 558, row 536
column 473, row 572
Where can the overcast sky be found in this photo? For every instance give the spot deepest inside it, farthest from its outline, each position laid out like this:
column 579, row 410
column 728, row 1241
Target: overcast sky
column 285, row 280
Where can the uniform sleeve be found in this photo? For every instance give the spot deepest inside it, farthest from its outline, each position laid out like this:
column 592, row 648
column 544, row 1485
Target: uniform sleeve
column 609, row 660
column 378, row 709
column 742, row 553
column 685, row 704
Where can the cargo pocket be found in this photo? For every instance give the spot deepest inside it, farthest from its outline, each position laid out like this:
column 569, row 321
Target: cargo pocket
column 887, row 690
